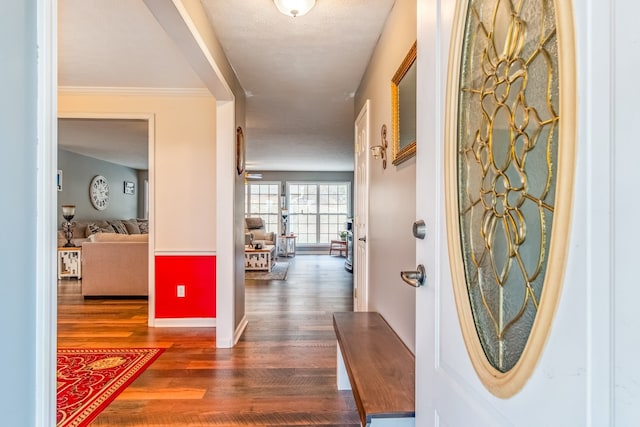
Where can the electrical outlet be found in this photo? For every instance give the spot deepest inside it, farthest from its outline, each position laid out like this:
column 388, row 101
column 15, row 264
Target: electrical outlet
column 180, row 291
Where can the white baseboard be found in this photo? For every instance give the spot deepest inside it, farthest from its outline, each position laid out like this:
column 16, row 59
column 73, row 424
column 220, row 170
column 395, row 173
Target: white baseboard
column 190, row 322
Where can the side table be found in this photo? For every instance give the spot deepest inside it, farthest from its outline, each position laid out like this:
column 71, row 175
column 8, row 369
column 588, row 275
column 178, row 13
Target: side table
column 287, row 245
column 259, row 259
column 69, row 262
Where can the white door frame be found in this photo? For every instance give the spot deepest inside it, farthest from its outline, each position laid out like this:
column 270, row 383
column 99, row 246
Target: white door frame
column 361, row 266
column 46, row 202
column 150, row 119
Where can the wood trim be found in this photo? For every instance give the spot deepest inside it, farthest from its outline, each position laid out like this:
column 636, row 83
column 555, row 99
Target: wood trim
column 380, row 367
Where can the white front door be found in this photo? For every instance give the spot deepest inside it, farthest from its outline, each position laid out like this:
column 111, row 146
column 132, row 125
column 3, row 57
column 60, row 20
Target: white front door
column 361, row 214
column 572, row 384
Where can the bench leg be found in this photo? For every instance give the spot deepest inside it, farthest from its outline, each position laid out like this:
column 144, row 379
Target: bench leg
column 392, row 422
column 341, row 373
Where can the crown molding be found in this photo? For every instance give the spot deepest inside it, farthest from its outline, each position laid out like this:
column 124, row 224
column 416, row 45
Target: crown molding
column 133, row 91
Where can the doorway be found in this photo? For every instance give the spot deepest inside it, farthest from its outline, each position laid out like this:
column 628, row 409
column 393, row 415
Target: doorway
column 118, row 146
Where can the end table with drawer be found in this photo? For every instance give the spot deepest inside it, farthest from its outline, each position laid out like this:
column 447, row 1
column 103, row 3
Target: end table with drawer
column 69, row 262
column 286, row 245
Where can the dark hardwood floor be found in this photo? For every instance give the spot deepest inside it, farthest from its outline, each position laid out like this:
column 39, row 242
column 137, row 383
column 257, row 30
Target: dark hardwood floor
column 281, row 373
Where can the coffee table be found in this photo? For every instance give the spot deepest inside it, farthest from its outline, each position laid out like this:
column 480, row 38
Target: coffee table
column 259, row 259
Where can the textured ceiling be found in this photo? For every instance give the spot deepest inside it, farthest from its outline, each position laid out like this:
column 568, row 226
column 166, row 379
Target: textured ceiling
column 299, row 74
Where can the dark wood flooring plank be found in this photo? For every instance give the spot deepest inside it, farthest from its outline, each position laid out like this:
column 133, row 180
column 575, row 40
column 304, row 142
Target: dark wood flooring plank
column 281, row 373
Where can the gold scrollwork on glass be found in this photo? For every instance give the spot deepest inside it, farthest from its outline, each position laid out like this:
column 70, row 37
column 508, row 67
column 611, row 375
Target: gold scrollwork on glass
column 509, row 180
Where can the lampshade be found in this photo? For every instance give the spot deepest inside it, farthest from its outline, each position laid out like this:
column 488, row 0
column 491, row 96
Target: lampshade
column 68, row 211
column 294, row 7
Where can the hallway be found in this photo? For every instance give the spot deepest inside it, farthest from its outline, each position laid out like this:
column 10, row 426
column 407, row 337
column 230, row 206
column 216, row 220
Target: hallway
column 281, row 373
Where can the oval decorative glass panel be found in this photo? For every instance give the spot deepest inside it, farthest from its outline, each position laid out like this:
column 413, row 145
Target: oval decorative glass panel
column 510, row 167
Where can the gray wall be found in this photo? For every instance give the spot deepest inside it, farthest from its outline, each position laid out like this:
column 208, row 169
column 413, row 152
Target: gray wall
column 392, row 207
column 18, row 106
column 77, row 172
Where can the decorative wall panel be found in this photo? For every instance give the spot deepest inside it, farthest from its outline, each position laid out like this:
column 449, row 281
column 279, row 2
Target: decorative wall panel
column 509, row 176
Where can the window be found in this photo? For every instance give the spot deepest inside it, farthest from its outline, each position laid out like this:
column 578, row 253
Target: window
column 262, row 200
column 318, row 211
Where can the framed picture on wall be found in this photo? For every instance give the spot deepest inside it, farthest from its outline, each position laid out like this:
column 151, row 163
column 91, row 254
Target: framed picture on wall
column 240, row 151
column 129, row 187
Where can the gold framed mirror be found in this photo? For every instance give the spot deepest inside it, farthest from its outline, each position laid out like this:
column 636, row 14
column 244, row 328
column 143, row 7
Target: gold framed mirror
column 403, row 104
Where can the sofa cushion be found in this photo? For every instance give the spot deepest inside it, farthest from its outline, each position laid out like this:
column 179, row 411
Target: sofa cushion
column 116, row 237
column 132, row 226
column 94, row 228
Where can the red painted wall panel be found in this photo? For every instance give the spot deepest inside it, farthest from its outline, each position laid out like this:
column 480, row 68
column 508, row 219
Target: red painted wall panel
column 198, row 274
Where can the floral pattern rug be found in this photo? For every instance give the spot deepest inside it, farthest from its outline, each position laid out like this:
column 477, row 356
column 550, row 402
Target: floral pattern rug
column 89, row 379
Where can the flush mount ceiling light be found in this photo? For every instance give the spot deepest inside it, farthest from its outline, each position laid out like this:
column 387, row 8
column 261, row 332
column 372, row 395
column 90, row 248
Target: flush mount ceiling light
column 294, row 7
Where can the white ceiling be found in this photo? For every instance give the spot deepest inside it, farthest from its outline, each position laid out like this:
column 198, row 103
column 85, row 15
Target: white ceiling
column 299, row 74
column 123, row 142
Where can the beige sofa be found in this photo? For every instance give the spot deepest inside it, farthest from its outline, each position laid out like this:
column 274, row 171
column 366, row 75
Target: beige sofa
column 115, row 265
column 82, row 230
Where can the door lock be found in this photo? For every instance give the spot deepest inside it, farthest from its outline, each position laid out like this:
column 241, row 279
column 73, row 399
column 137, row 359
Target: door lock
column 419, row 229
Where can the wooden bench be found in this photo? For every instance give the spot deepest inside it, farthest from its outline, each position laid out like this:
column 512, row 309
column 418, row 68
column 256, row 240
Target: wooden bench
column 377, row 366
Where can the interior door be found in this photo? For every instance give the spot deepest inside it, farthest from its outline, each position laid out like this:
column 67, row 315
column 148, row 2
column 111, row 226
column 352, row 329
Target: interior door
column 361, row 214
column 448, row 390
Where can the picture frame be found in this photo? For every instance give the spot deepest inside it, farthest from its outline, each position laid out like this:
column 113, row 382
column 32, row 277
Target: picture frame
column 129, row 187
column 403, row 106
column 240, row 151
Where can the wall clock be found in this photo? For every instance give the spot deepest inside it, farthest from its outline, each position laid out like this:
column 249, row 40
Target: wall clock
column 99, row 192
column 240, row 161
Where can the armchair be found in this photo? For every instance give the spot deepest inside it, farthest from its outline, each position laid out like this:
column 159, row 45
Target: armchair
column 254, row 227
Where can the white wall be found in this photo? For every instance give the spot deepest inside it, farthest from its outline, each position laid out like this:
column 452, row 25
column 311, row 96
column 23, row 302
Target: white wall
column 184, row 162
column 392, row 195
column 626, row 94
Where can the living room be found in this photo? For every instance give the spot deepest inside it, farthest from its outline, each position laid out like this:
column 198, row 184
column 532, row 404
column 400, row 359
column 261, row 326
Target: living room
column 116, row 151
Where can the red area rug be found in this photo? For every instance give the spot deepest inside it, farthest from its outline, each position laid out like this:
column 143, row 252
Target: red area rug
column 89, row 379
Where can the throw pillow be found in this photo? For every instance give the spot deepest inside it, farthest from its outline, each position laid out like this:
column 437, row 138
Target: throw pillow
column 143, row 224
column 132, row 226
column 118, row 227
column 93, row 229
column 253, row 223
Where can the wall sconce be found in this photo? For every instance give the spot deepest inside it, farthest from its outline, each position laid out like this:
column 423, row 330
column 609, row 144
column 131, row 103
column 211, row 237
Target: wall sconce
column 294, row 7
column 380, row 151
column 68, row 212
